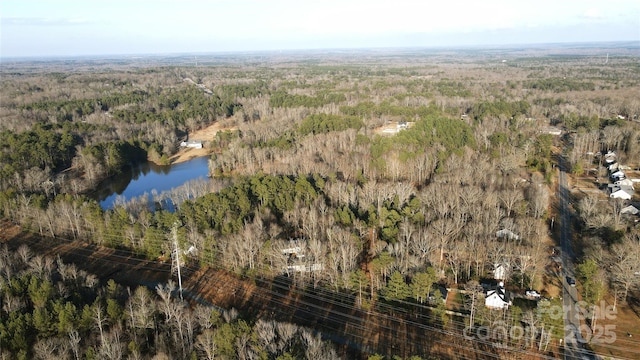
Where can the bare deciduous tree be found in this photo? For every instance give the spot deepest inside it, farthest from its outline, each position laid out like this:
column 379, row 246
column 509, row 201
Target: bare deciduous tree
column 509, row 198
column 141, row 308
column 286, row 332
column 538, row 196
column 101, row 320
column 265, row 331
column 205, row 342
column 624, row 263
column 112, row 348
column 74, row 342
column 343, row 252
column 164, row 292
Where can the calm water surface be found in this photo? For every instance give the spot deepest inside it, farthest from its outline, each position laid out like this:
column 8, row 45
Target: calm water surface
column 146, row 177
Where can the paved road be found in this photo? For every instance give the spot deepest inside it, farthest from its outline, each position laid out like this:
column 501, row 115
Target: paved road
column 573, row 341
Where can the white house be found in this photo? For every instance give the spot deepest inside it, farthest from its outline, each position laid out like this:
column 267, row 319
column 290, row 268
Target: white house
column 621, row 192
column 610, row 157
column 497, row 298
column 296, row 268
column 500, row 271
column 191, row 250
column 305, row 268
column 507, row 234
column 296, row 250
column 632, row 210
column 192, row 144
column 624, row 182
column 297, row 262
column 551, row 130
column 618, row 175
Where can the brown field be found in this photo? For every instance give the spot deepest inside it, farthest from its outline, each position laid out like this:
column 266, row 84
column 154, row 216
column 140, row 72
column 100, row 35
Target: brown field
column 622, row 340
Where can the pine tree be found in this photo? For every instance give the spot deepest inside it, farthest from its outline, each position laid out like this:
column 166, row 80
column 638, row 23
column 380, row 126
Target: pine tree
column 396, row 289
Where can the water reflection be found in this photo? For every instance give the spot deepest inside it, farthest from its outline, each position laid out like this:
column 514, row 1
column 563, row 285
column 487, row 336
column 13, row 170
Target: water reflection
column 149, row 178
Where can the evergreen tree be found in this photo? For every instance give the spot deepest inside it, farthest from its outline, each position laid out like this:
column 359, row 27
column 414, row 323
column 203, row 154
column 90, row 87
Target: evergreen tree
column 421, row 284
column 396, row 289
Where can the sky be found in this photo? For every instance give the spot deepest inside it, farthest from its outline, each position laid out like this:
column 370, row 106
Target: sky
column 40, row 28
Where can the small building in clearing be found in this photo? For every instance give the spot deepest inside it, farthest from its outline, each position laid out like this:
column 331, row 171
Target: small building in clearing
column 507, row 234
column 551, row 130
column 192, row 144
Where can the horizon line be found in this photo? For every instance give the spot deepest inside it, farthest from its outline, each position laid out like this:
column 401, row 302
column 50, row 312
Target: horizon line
column 630, row 44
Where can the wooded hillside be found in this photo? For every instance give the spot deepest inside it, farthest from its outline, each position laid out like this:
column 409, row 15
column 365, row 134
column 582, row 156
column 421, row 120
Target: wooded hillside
column 380, row 215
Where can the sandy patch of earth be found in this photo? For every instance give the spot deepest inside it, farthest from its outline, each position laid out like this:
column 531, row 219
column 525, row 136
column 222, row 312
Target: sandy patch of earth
column 206, row 135
column 186, row 154
column 392, row 128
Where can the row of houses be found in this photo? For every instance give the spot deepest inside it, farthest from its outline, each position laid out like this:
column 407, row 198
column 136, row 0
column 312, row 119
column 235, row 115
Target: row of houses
column 620, row 187
column 496, row 296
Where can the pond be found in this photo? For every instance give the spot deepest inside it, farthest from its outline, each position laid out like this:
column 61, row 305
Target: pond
column 147, row 177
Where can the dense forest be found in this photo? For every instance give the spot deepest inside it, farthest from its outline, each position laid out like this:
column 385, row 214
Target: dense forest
column 387, row 174
column 76, row 317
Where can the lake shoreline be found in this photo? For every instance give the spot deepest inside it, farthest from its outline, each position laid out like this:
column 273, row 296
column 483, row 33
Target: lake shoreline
column 184, row 155
column 147, row 177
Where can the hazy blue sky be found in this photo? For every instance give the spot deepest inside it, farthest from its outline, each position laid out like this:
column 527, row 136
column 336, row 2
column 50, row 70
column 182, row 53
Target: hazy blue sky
column 87, row 27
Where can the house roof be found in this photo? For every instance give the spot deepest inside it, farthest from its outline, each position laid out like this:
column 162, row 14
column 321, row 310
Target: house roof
column 624, row 182
column 501, row 293
column 441, row 289
column 621, row 185
column 506, row 233
column 551, row 130
column 627, row 188
column 292, row 250
column 630, row 210
column 621, row 193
